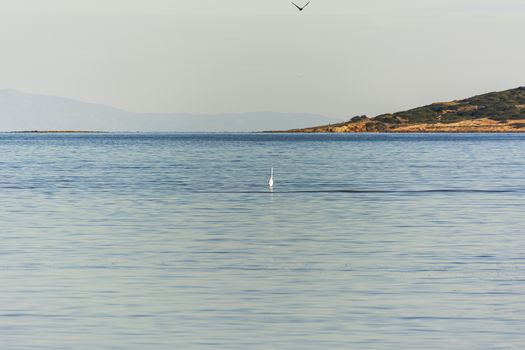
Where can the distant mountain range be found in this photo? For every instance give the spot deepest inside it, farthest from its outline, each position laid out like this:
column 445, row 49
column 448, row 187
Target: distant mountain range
column 21, row 111
column 502, row 111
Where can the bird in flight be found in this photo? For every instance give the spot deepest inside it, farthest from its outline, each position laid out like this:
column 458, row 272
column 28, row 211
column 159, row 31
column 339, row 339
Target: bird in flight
column 301, row 8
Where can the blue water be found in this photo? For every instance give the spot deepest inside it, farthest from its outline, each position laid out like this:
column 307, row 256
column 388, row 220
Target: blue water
column 174, row 241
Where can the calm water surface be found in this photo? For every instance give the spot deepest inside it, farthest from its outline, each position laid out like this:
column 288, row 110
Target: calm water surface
column 173, row 241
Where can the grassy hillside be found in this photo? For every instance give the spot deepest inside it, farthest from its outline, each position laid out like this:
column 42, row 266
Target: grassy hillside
column 493, row 112
column 498, row 106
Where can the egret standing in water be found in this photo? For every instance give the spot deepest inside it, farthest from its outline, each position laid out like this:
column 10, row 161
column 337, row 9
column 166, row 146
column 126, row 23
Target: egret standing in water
column 270, row 180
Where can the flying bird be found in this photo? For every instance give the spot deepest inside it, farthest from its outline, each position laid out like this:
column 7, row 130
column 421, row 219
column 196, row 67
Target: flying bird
column 301, row 8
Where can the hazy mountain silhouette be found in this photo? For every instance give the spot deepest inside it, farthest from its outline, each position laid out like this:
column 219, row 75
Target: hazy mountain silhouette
column 23, row 111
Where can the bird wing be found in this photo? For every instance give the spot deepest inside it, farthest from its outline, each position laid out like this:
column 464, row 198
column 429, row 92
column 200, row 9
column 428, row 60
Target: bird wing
column 297, row 6
column 306, row 4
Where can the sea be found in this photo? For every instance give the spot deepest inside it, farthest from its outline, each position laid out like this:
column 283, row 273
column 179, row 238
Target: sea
column 174, row 241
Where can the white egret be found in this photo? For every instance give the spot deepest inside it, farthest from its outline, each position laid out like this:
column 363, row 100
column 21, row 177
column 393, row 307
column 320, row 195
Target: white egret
column 270, row 180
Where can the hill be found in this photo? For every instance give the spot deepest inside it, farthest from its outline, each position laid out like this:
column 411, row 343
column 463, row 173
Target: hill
column 502, row 111
column 21, row 111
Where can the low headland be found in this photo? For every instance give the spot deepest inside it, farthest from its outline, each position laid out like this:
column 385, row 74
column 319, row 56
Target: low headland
column 495, row 112
column 56, row 132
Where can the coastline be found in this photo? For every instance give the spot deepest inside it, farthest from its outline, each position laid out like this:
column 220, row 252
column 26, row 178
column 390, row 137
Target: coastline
column 483, row 125
column 56, row 132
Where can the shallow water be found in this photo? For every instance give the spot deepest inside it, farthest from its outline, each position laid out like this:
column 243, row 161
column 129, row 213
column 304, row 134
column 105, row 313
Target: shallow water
column 173, row 241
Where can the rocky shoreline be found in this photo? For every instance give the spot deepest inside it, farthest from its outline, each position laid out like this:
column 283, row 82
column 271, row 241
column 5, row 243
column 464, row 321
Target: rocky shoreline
column 467, row 126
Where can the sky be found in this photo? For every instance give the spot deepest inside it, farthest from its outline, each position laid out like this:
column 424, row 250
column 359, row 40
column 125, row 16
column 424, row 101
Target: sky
column 338, row 58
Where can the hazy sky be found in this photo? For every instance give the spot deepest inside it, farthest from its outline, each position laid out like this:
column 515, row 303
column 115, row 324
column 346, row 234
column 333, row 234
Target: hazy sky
column 339, row 58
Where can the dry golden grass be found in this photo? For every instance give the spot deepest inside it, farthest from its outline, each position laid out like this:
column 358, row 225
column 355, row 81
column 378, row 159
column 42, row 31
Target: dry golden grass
column 477, row 125
column 467, row 126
